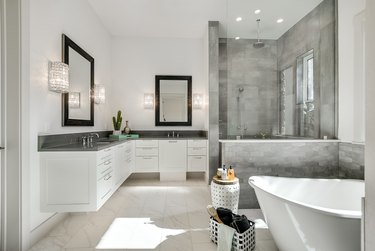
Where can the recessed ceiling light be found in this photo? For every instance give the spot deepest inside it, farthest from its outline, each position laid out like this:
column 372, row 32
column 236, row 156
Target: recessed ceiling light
column 257, row 11
column 239, row 19
column 280, row 20
column 237, row 38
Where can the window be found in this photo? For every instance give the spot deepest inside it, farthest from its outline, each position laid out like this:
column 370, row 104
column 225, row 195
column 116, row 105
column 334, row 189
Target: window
column 305, row 78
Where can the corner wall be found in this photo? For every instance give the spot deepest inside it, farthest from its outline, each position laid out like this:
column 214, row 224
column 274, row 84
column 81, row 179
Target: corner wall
column 136, row 61
column 350, row 74
column 48, row 20
column 370, row 128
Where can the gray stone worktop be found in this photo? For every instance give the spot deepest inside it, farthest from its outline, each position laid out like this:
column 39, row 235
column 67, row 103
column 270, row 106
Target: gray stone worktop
column 71, row 142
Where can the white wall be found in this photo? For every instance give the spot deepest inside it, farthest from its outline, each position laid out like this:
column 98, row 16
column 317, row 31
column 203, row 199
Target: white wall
column 48, row 20
column 135, row 63
column 351, row 81
column 370, row 128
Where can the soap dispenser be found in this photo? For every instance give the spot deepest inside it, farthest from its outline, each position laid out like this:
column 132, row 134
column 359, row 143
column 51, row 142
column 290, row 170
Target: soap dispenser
column 230, row 173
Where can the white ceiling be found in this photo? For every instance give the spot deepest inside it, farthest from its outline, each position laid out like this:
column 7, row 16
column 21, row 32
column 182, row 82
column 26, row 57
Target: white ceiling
column 188, row 18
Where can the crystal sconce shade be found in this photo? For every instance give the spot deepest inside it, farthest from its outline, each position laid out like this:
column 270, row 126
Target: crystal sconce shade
column 58, row 77
column 149, row 101
column 197, row 101
column 99, row 94
column 74, row 99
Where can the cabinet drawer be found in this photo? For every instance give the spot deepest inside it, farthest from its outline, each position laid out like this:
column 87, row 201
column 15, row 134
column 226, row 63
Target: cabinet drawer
column 147, row 151
column 104, row 155
column 105, row 185
column 146, row 143
column 104, row 167
column 197, row 143
column 197, row 163
column 197, row 151
column 147, row 164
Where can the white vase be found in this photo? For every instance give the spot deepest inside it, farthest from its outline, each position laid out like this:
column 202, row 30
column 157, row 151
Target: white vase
column 116, row 132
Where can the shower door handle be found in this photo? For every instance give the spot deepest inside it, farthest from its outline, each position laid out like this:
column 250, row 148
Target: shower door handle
column 2, row 148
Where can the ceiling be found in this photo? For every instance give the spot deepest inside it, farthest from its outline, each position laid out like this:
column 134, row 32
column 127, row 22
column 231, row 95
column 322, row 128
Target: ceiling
column 188, row 18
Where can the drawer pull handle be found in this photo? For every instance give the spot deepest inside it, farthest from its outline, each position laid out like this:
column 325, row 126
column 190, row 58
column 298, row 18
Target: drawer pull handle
column 172, row 141
column 106, row 170
column 196, row 148
column 107, row 162
column 106, row 193
column 147, row 158
column 107, row 177
column 198, row 158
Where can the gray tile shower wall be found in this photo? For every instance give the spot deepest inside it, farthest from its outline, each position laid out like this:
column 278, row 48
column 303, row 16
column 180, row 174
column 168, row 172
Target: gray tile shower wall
column 248, row 87
column 213, row 61
column 315, row 31
column 288, row 159
column 351, row 160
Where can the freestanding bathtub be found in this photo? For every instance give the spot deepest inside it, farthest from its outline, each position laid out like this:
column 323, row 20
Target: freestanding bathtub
column 311, row 214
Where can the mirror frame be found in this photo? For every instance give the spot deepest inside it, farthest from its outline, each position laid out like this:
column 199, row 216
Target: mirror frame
column 157, row 100
column 67, row 44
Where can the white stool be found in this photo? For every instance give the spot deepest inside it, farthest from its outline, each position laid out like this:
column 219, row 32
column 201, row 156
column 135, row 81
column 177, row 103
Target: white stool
column 225, row 193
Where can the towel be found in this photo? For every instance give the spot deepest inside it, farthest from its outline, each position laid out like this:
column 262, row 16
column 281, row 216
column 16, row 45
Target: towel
column 225, row 237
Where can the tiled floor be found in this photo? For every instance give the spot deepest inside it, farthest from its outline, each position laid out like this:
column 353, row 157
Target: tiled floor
column 147, row 215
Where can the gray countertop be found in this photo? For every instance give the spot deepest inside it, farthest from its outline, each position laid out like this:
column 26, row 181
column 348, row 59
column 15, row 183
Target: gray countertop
column 104, row 143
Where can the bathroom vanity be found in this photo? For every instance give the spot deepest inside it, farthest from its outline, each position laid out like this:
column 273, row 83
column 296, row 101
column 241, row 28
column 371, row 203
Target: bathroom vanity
column 81, row 179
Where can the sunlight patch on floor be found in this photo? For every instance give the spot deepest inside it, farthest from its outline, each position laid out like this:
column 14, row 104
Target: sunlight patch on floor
column 135, row 233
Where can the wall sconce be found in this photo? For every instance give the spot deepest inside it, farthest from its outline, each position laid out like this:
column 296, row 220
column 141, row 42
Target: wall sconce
column 99, row 94
column 197, row 101
column 74, row 100
column 58, row 77
column 149, row 101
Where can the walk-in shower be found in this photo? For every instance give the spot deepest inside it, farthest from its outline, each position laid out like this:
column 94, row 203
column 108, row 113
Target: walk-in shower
column 278, row 78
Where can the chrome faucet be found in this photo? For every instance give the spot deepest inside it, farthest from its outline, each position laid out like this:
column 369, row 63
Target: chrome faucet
column 84, row 140
column 91, row 136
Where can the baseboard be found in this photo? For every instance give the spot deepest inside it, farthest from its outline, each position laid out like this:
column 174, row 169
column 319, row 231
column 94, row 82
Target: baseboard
column 44, row 228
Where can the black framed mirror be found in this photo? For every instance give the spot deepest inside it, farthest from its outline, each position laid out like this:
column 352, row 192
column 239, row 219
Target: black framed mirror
column 78, row 104
column 173, row 100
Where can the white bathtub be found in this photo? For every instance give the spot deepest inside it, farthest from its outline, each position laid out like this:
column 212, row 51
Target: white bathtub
column 311, row 214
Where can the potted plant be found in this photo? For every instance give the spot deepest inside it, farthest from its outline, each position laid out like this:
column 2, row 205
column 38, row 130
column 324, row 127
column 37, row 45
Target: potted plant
column 117, row 123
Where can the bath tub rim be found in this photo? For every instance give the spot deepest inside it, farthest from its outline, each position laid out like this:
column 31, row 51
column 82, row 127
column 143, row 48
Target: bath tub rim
column 351, row 214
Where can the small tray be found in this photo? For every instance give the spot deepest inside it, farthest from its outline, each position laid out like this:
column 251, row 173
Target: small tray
column 124, row 136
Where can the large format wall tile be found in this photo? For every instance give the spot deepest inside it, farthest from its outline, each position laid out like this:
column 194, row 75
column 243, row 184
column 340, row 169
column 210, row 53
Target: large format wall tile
column 287, row 159
column 351, row 160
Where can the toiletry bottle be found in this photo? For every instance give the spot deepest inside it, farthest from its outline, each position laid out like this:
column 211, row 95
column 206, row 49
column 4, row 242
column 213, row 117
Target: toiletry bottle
column 224, row 175
column 230, row 173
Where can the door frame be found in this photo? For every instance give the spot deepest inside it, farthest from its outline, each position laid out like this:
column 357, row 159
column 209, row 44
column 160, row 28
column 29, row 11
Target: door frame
column 11, row 166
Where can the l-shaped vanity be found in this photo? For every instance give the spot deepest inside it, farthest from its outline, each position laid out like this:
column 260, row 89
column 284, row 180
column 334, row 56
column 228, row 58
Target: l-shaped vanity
column 76, row 178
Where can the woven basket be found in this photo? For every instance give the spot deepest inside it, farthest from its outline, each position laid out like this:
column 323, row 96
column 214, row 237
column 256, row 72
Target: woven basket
column 241, row 242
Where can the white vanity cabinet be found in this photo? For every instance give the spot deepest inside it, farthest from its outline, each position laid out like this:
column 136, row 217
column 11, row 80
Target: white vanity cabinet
column 197, row 155
column 172, row 159
column 123, row 162
column 147, row 156
column 83, row 181
column 76, row 181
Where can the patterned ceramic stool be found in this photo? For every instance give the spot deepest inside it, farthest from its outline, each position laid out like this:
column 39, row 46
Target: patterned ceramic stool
column 225, row 193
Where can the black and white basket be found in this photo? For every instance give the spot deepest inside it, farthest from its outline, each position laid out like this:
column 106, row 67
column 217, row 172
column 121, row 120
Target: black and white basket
column 241, row 242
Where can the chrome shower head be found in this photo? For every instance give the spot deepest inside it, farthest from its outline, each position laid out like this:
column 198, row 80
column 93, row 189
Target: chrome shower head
column 258, row 44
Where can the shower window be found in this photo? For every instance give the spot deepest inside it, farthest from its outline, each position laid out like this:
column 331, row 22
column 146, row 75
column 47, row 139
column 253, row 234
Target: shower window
column 305, row 78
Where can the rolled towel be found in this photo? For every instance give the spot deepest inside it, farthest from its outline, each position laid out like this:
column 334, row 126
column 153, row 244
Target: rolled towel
column 225, row 237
